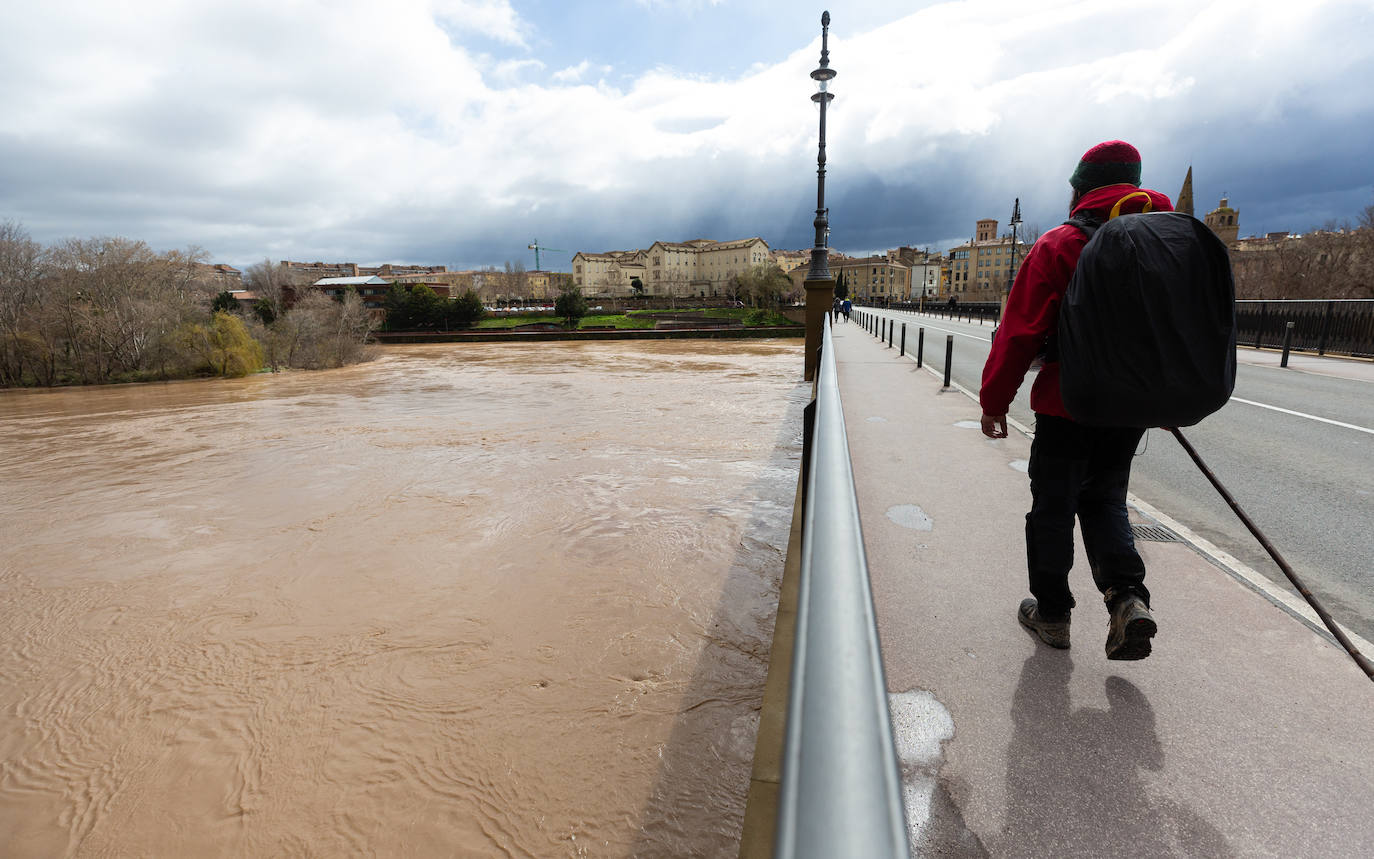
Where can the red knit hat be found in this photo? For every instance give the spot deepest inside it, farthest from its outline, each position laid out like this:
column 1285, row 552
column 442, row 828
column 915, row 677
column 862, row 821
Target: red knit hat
column 1114, row 162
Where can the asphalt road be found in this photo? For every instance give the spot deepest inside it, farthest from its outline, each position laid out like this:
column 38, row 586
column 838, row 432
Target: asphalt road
column 1295, row 447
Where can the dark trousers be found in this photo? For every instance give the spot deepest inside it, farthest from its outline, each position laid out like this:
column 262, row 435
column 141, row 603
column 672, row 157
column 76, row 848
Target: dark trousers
column 1082, row 471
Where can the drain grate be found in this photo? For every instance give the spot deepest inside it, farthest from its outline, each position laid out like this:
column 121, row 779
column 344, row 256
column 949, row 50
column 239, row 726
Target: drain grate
column 1157, row 533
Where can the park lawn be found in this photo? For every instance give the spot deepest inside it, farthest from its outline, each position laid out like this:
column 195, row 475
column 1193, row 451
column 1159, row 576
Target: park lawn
column 751, row 317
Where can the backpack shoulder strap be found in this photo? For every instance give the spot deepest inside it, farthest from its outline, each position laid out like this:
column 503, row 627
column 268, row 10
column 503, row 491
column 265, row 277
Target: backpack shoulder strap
column 1085, row 222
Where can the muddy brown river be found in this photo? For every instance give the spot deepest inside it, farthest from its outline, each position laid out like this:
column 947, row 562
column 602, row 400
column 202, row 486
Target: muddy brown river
column 478, row 600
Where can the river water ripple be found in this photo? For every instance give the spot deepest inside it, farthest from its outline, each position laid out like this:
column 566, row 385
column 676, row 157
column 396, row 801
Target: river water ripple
column 479, row 600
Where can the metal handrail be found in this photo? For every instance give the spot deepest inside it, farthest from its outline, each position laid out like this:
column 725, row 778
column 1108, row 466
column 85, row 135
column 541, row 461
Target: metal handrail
column 841, row 789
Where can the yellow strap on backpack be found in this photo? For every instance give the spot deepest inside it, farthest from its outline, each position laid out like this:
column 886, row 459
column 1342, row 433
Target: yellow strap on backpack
column 1116, row 210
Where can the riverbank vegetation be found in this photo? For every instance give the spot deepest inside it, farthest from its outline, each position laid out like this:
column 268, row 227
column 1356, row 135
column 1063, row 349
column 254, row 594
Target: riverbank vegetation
column 88, row 311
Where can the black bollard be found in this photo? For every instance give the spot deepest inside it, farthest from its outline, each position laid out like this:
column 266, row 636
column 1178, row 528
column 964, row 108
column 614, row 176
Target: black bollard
column 1287, row 342
column 949, row 356
column 891, row 329
column 903, row 352
column 920, row 346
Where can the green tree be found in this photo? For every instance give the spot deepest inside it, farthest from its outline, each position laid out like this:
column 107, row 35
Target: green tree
column 411, row 307
column 264, row 309
column 427, row 307
column 841, row 287
column 225, row 302
column 397, row 306
column 571, row 305
column 466, row 309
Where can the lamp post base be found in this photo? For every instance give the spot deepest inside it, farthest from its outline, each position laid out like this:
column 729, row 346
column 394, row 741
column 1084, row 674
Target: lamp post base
column 820, row 297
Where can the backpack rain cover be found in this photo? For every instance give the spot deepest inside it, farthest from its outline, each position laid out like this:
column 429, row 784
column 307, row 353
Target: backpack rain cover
column 1147, row 328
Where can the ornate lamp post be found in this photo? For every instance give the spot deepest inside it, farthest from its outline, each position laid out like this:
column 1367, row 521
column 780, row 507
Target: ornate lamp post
column 1015, row 222
column 1011, row 263
column 820, row 285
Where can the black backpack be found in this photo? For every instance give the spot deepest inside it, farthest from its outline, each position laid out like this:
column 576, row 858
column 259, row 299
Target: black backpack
column 1147, row 328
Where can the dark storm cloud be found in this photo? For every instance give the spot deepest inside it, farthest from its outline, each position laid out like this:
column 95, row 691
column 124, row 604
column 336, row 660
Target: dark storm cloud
column 259, row 130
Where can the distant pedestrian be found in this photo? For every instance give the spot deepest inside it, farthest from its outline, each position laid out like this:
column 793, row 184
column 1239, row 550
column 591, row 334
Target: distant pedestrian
column 835, row 310
column 1075, row 469
column 848, row 306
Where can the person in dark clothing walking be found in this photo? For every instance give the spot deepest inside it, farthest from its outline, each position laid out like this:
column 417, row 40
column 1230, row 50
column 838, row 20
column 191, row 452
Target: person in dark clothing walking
column 1075, row 470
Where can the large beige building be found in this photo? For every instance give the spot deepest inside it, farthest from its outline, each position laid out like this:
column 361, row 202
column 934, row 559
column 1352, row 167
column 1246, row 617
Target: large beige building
column 874, row 279
column 700, row 267
column 984, row 268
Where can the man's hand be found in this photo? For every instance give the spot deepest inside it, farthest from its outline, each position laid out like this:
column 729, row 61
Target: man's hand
column 995, row 426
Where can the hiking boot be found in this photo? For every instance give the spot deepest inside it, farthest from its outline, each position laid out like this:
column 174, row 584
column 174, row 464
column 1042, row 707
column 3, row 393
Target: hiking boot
column 1132, row 627
column 1055, row 633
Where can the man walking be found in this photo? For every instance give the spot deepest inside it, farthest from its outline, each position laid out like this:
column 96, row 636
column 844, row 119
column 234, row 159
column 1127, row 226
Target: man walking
column 1075, row 470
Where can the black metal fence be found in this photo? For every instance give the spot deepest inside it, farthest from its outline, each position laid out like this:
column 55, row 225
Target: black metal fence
column 1341, row 327
column 972, row 311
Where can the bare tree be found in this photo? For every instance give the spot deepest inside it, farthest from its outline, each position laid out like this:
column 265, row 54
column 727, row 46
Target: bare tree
column 272, row 284
column 20, row 270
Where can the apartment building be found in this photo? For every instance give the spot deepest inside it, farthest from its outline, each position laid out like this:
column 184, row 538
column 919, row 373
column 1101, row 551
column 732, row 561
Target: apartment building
column 984, row 268
column 220, row 277
column 309, row 272
column 699, row 267
column 790, row 261
column 878, row 279
column 924, row 271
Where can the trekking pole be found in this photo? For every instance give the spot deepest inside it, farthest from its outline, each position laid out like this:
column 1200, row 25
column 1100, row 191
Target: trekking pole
column 1360, row 659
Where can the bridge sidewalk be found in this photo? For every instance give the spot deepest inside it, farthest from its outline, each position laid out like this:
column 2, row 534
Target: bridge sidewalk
column 1245, row 734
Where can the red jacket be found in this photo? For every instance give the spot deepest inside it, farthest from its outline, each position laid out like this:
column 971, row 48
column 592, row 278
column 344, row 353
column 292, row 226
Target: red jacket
column 1032, row 312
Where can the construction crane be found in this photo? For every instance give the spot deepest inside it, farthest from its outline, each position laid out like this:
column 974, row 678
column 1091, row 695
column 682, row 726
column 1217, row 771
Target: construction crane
column 536, row 247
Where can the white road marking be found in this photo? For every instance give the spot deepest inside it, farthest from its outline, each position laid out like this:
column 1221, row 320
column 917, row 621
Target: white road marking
column 1294, row 606
column 1304, row 415
column 924, row 324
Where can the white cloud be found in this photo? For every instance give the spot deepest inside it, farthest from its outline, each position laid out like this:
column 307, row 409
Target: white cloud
column 688, row 5
column 362, row 129
column 511, row 71
column 574, row 74
column 492, row 18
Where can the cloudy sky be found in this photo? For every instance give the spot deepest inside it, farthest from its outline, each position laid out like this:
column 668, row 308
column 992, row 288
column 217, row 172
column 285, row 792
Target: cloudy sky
column 458, row 131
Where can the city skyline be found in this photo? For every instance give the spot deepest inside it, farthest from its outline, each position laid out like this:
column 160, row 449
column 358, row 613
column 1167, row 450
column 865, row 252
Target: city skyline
column 458, row 131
